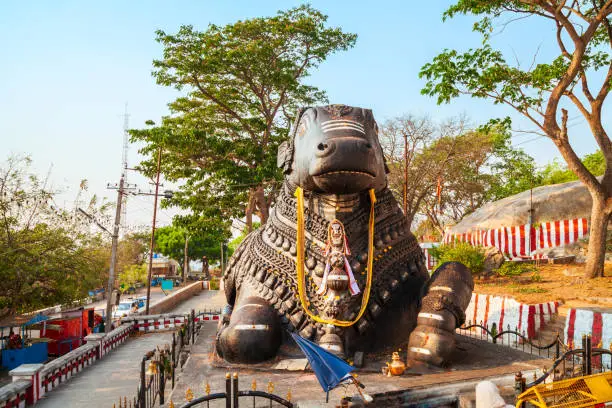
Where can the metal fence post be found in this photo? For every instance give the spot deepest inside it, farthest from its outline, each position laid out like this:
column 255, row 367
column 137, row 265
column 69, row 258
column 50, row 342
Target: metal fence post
column 228, row 391
column 192, row 326
column 173, row 363
column 589, row 355
column 142, row 393
column 519, row 385
column 162, row 383
column 235, row 390
column 584, row 354
column 557, row 350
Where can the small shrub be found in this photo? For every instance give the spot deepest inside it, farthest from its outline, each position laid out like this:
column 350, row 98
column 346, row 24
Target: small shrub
column 470, row 256
column 531, row 290
column 213, row 284
column 514, row 269
column 536, row 277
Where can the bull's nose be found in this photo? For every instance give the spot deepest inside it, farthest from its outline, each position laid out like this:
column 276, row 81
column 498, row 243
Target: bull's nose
column 346, row 144
column 325, row 148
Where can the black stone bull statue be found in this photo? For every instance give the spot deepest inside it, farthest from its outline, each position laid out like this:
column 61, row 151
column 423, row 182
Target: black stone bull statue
column 335, row 161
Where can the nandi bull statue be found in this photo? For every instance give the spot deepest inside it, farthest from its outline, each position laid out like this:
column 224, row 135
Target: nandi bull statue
column 336, row 261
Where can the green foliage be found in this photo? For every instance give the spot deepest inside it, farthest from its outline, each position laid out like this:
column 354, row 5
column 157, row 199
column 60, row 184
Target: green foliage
column 471, row 256
column 529, row 290
column 45, row 258
column 233, row 244
column 473, row 166
column 170, row 241
column 577, row 76
column 214, row 283
column 241, row 84
column 514, row 269
column 557, row 172
column 132, row 274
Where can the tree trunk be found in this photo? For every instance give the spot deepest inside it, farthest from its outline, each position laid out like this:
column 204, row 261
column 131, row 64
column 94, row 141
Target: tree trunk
column 261, row 204
column 248, row 212
column 598, row 231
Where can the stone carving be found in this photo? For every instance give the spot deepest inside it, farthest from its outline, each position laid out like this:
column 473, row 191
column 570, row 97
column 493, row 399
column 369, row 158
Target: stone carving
column 334, row 155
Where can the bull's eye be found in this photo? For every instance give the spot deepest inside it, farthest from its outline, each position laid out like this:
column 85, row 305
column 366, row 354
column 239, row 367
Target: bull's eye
column 322, row 146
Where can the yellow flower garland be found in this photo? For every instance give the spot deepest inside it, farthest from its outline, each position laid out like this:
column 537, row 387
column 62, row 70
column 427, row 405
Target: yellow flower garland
column 301, row 277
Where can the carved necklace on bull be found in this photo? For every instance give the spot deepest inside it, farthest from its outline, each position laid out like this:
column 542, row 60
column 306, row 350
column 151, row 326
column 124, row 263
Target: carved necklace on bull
column 336, row 251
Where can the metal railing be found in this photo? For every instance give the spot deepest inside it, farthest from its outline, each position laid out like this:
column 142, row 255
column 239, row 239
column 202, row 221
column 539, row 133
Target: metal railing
column 159, row 366
column 573, row 363
column 233, row 394
column 513, row 338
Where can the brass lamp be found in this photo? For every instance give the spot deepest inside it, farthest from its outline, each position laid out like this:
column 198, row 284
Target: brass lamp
column 152, row 368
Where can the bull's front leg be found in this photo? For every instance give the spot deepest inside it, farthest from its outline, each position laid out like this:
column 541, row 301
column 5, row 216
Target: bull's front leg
column 443, row 310
column 251, row 333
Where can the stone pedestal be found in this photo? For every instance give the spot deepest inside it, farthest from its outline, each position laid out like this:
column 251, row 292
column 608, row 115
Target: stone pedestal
column 31, row 373
column 96, row 338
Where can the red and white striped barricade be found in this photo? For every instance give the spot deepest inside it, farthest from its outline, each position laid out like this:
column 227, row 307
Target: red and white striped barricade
column 521, row 241
column 581, row 322
column 148, row 323
column 14, row 395
column 507, row 312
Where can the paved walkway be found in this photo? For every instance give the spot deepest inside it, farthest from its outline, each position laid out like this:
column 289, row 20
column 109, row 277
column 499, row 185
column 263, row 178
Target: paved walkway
column 117, row 374
column 474, row 360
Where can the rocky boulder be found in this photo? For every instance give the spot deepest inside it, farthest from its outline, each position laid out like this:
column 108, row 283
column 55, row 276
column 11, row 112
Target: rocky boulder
column 550, row 203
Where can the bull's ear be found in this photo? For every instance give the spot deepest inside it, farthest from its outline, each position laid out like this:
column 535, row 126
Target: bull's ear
column 283, row 158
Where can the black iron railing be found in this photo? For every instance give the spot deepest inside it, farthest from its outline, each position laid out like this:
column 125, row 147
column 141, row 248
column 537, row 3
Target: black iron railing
column 572, row 363
column 513, row 338
column 159, row 366
column 233, row 394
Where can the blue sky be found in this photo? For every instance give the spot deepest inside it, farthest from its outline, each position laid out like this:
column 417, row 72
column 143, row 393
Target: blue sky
column 68, row 68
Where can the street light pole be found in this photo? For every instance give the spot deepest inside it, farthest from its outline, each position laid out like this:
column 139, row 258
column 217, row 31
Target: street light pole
column 153, row 231
column 111, row 272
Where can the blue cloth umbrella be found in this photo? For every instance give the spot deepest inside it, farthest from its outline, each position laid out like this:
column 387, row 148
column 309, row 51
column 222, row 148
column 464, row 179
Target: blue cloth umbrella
column 329, row 369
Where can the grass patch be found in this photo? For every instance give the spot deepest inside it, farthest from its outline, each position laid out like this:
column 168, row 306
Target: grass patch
column 515, row 269
column 530, row 290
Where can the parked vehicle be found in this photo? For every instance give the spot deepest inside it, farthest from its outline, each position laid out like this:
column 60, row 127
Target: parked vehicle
column 126, row 308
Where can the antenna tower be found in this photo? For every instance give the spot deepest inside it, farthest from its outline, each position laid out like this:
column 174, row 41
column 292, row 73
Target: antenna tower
column 124, row 165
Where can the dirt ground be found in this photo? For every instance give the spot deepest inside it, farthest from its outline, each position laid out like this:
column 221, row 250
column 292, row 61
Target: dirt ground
column 565, row 283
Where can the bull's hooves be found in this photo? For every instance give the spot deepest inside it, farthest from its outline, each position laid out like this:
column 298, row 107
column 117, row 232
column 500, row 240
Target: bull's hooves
column 431, row 345
column 253, row 334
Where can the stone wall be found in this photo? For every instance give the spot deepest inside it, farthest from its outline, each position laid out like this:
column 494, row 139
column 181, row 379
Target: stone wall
column 170, row 302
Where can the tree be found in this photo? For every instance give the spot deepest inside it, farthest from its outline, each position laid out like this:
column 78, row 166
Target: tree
column 45, row 259
column 132, row 274
column 242, row 84
column 557, row 172
column 450, row 168
column 170, row 241
column 579, row 77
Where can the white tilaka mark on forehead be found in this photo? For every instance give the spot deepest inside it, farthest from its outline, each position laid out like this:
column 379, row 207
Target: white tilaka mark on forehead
column 341, row 124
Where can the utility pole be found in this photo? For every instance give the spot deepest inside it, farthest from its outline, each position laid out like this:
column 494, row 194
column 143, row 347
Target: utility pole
column 124, row 163
column 405, row 174
column 186, row 258
column 151, row 247
column 222, row 268
column 111, row 272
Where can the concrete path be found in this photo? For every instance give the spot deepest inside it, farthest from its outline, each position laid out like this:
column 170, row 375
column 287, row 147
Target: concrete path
column 117, row 374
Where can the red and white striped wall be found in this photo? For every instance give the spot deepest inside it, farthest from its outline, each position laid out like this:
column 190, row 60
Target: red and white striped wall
column 155, row 323
column 581, row 322
column 506, row 312
column 430, row 261
column 167, row 322
column 522, row 240
column 15, row 395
